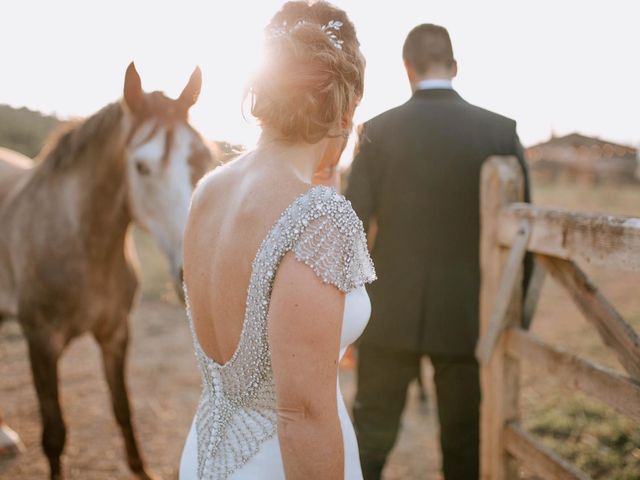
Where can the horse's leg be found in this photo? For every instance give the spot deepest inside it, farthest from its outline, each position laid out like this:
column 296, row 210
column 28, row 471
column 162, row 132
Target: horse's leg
column 44, row 355
column 114, row 351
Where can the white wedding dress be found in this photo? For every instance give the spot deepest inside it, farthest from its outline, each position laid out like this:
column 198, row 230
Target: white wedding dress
column 234, row 433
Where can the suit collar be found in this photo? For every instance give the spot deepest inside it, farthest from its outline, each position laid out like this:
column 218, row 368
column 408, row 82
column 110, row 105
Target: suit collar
column 446, row 93
column 431, row 83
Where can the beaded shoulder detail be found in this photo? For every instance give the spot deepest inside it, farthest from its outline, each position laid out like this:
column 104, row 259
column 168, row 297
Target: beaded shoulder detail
column 237, row 408
column 333, row 243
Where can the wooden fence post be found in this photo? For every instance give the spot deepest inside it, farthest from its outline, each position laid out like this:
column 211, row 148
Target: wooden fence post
column 502, row 184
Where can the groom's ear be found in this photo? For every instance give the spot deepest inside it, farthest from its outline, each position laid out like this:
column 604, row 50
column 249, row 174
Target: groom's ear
column 408, row 69
column 454, row 69
column 411, row 73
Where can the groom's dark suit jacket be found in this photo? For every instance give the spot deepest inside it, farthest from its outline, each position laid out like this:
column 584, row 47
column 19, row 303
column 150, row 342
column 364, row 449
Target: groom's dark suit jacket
column 417, row 171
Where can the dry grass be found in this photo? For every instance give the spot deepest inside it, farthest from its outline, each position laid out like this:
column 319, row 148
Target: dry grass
column 616, row 200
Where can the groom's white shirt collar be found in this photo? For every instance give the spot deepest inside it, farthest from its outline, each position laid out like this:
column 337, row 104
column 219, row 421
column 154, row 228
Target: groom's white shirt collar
column 434, row 83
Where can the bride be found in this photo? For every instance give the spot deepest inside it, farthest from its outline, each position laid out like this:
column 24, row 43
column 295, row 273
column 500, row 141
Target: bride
column 275, row 269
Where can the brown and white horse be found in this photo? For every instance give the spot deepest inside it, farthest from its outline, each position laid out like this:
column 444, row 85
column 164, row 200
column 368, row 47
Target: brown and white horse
column 65, row 245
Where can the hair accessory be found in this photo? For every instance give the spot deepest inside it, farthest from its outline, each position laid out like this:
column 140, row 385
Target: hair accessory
column 331, row 30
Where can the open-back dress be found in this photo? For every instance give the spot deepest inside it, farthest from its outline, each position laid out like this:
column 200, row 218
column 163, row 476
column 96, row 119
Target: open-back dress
column 234, row 432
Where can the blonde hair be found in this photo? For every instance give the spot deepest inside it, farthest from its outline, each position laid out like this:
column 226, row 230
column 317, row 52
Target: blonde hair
column 310, row 79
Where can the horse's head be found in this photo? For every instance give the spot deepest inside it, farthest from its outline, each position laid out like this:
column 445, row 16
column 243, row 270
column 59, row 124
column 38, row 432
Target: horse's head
column 165, row 158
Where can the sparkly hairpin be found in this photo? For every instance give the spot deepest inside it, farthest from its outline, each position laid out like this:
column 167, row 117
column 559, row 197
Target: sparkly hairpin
column 331, row 30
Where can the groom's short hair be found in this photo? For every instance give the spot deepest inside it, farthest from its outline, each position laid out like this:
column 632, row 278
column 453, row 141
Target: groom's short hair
column 427, row 45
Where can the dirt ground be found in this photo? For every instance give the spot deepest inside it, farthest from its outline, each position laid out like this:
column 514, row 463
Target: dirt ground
column 164, row 387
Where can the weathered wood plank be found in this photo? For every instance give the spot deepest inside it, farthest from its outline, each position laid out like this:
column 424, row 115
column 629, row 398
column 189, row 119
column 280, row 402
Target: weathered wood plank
column 538, row 458
column 614, row 331
column 573, row 372
column 502, row 184
column 512, row 273
column 603, row 240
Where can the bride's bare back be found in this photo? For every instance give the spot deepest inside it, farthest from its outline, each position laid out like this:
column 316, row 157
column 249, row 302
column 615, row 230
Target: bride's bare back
column 232, row 211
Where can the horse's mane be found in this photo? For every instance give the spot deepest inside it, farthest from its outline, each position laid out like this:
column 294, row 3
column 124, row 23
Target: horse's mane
column 69, row 141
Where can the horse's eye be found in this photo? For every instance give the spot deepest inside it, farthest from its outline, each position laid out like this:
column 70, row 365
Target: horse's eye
column 142, row 168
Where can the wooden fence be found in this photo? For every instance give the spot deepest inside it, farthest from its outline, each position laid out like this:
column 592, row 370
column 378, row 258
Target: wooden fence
column 557, row 238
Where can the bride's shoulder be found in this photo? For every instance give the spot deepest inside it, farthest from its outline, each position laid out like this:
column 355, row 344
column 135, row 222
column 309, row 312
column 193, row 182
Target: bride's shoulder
column 214, row 184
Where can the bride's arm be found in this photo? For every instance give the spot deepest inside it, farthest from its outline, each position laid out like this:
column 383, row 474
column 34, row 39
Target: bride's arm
column 305, row 322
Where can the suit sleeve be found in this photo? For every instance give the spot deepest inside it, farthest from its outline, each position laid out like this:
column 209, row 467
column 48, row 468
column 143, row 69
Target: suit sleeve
column 519, row 153
column 361, row 186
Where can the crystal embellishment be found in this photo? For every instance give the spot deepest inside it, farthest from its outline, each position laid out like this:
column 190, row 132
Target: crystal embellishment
column 331, row 30
column 237, row 408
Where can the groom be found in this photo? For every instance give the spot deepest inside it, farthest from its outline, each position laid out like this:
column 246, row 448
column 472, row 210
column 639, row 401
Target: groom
column 416, row 174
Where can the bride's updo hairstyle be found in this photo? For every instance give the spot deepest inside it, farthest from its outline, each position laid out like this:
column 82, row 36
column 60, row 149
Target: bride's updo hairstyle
column 313, row 72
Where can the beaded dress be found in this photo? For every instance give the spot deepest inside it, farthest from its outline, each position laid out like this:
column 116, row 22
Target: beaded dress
column 234, row 432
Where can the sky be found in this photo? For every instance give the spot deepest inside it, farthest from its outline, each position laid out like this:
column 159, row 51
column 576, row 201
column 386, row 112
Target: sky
column 554, row 66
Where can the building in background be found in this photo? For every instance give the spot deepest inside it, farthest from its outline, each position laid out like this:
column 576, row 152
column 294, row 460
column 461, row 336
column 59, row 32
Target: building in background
column 581, row 159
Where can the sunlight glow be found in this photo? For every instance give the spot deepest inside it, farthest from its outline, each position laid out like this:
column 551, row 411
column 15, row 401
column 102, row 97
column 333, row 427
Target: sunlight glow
column 551, row 65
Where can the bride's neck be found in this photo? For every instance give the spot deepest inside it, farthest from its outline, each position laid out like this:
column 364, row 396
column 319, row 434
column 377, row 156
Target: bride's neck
column 300, row 158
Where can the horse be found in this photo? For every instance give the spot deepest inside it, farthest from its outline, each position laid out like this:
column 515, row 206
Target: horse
column 67, row 262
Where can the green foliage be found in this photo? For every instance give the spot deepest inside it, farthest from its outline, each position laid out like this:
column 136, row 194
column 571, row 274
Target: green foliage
column 24, row 130
column 595, row 438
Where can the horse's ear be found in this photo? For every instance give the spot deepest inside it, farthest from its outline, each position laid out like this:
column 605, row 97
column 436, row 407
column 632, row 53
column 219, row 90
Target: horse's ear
column 191, row 92
column 133, row 94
